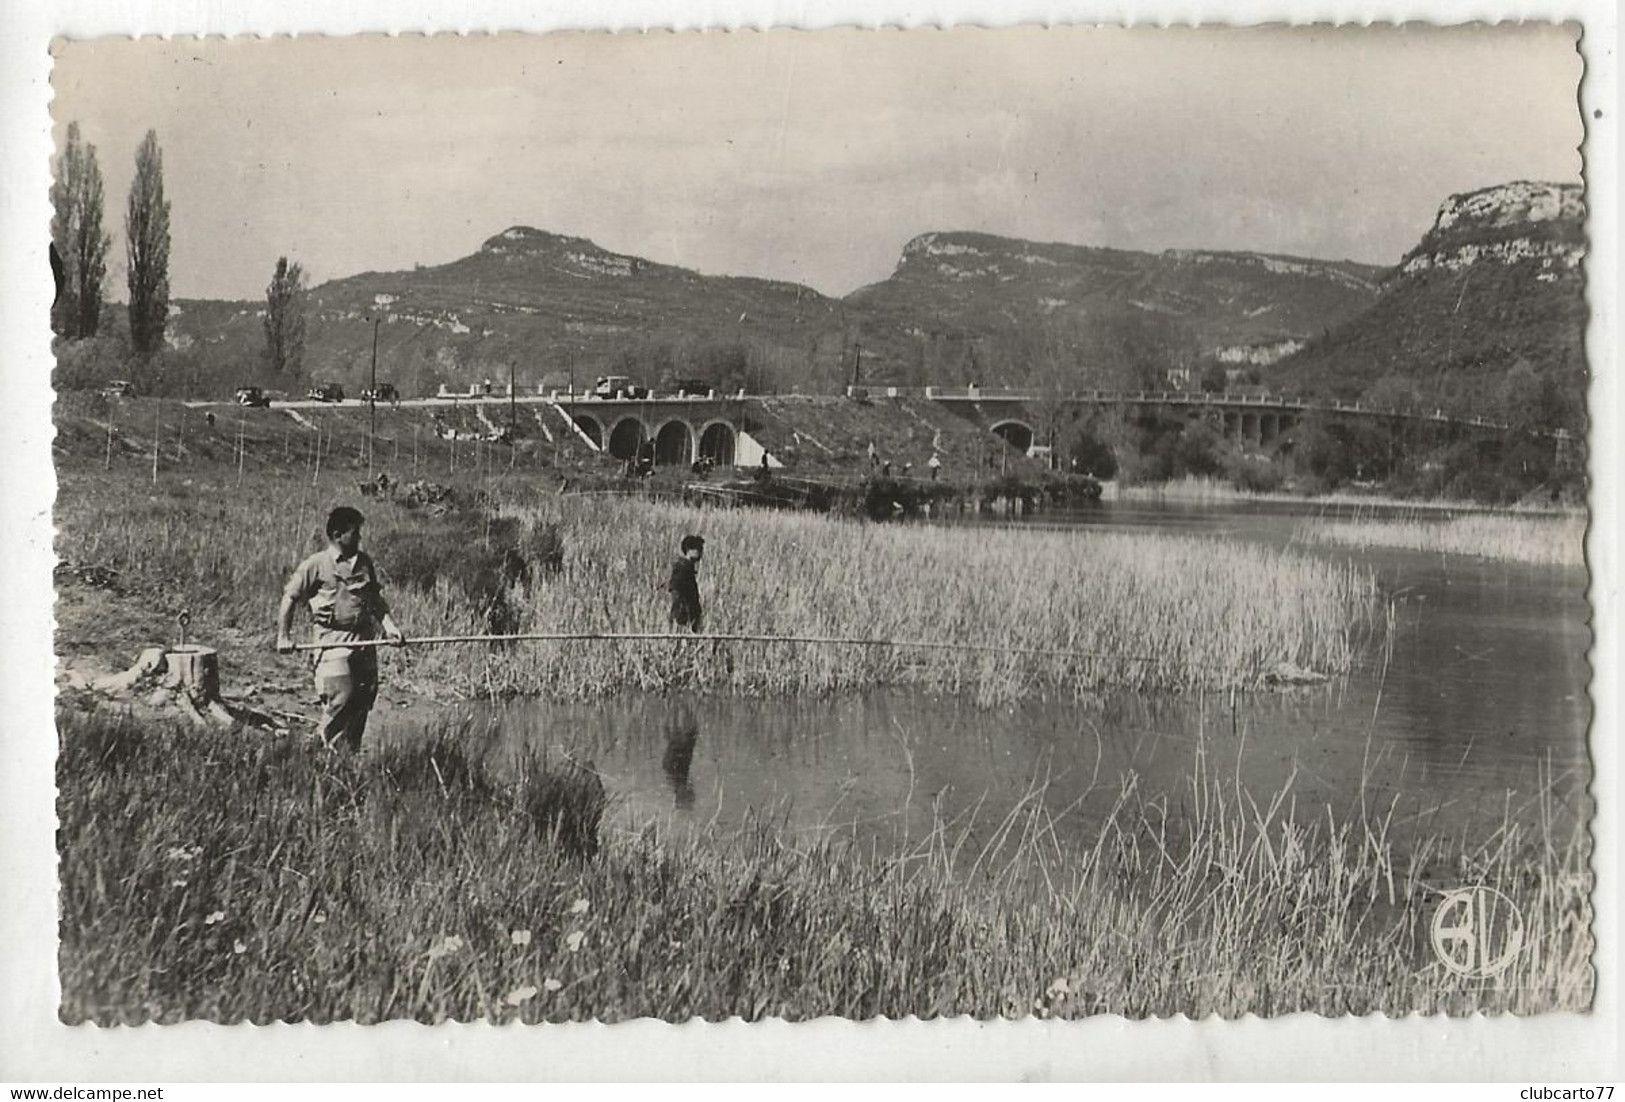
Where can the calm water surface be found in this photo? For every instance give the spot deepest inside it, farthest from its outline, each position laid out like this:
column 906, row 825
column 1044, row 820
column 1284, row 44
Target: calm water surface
column 1481, row 709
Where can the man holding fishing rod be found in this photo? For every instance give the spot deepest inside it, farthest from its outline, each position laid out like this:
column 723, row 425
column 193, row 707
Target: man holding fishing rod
column 340, row 586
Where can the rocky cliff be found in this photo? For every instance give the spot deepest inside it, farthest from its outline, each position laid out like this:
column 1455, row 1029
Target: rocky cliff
column 1486, row 310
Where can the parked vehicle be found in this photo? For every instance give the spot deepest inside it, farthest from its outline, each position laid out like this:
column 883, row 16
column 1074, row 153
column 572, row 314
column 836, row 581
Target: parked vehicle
column 691, row 388
column 618, row 386
column 325, row 392
column 252, row 396
column 386, row 392
column 119, row 388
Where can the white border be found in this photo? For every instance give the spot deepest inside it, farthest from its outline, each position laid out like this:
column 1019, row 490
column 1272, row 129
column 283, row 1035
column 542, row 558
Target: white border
column 34, row 1047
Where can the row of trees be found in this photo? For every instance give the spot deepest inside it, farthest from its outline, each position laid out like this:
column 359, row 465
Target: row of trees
column 81, row 245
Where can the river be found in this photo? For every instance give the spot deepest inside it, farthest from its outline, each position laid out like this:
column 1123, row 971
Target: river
column 1477, row 715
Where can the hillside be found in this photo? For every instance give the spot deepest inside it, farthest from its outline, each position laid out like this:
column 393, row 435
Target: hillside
column 544, row 303
column 1075, row 309
column 1486, row 314
column 958, row 306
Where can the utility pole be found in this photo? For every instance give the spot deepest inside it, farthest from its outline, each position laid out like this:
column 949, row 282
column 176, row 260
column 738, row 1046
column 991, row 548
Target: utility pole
column 513, row 424
column 372, row 398
column 857, row 364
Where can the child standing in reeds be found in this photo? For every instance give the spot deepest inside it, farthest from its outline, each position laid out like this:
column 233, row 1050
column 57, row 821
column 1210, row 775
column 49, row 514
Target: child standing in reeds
column 684, row 584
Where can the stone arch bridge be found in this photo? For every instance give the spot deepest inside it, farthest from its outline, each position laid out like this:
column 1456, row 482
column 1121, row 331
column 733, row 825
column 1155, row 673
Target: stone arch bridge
column 1260, row 420
column 673, row 431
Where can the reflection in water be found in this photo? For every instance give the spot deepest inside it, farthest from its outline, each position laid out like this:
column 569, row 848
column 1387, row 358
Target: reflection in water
column 682, row 732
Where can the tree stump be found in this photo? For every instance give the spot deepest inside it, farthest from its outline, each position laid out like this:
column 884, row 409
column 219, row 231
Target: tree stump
column 186, row 676
column 196, row 671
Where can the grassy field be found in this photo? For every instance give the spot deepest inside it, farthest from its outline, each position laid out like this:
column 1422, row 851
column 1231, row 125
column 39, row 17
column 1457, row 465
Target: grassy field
column 1142, row 612
column 1558, row 540
column 233, row 876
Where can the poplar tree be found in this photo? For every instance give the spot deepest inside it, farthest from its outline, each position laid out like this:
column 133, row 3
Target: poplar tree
column 285, row 318
column 76, row 231
column 146, row 234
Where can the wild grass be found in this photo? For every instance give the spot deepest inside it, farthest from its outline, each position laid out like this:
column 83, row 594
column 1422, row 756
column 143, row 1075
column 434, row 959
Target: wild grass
column 1134, row 611
column 1558, row 541
column 231, row 877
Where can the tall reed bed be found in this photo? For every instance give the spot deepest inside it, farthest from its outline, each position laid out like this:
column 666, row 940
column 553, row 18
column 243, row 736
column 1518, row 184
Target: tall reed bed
column 1129, row 611
column 1557, row 541
column 1135, row 611
column 230, row 877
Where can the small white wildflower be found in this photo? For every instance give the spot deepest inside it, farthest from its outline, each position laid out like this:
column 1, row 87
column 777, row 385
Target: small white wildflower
column 217, row 916
column 447, row 947
column 580, row 907
column 319, row 917
column 519, row 995
column 573, row 940
column 519, row 937
column 550, row 984
column 1058, row 987
column 238, row 947
column 177, row 883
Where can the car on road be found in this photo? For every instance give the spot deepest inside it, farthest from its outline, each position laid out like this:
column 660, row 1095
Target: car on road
column 386, row 392
column 691, row 388
column 252, row 396
column 325, row 392
column 618, row 386
column 119, row 388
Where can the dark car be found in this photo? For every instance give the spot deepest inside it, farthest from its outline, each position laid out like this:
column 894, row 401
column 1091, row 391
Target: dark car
column 252, row 396
column 119, row 388
column 691, row 388
column 325, row 392
column 386, row 392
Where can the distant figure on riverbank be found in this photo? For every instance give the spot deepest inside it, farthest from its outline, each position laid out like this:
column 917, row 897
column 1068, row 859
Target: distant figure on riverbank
column 684, row 584
column 874, row 455
column 885, row 469
column 935, row 464
column 339, row 585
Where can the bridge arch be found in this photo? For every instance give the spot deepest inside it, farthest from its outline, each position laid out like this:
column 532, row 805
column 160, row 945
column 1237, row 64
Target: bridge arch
column 627, row 437
column 1018, row 434
column 718, row 443
column 590, row 425
column 674, row 444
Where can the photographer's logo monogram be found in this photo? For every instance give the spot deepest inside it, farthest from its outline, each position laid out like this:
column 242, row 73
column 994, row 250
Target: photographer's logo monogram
column 1477, row 932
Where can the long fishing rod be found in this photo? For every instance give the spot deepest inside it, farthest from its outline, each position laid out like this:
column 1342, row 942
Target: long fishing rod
column 661, row 636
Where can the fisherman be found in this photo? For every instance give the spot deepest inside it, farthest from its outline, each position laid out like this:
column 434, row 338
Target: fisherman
column 935, row 464
column 340, row 586
column 874, row 455
column 684, row 584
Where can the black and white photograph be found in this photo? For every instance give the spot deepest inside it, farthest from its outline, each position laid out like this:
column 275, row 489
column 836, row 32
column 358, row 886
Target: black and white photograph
column 1018, row 523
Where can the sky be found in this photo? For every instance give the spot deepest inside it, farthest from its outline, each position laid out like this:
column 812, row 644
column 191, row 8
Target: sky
column 814, row 156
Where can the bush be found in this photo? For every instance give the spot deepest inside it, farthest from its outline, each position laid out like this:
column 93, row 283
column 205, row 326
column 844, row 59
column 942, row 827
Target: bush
column 1253, row 474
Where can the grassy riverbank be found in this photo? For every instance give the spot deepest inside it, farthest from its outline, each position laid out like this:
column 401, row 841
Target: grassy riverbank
column 1136, row 611
column 229, row 876
column 1207, row 490
column 1558, row 540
